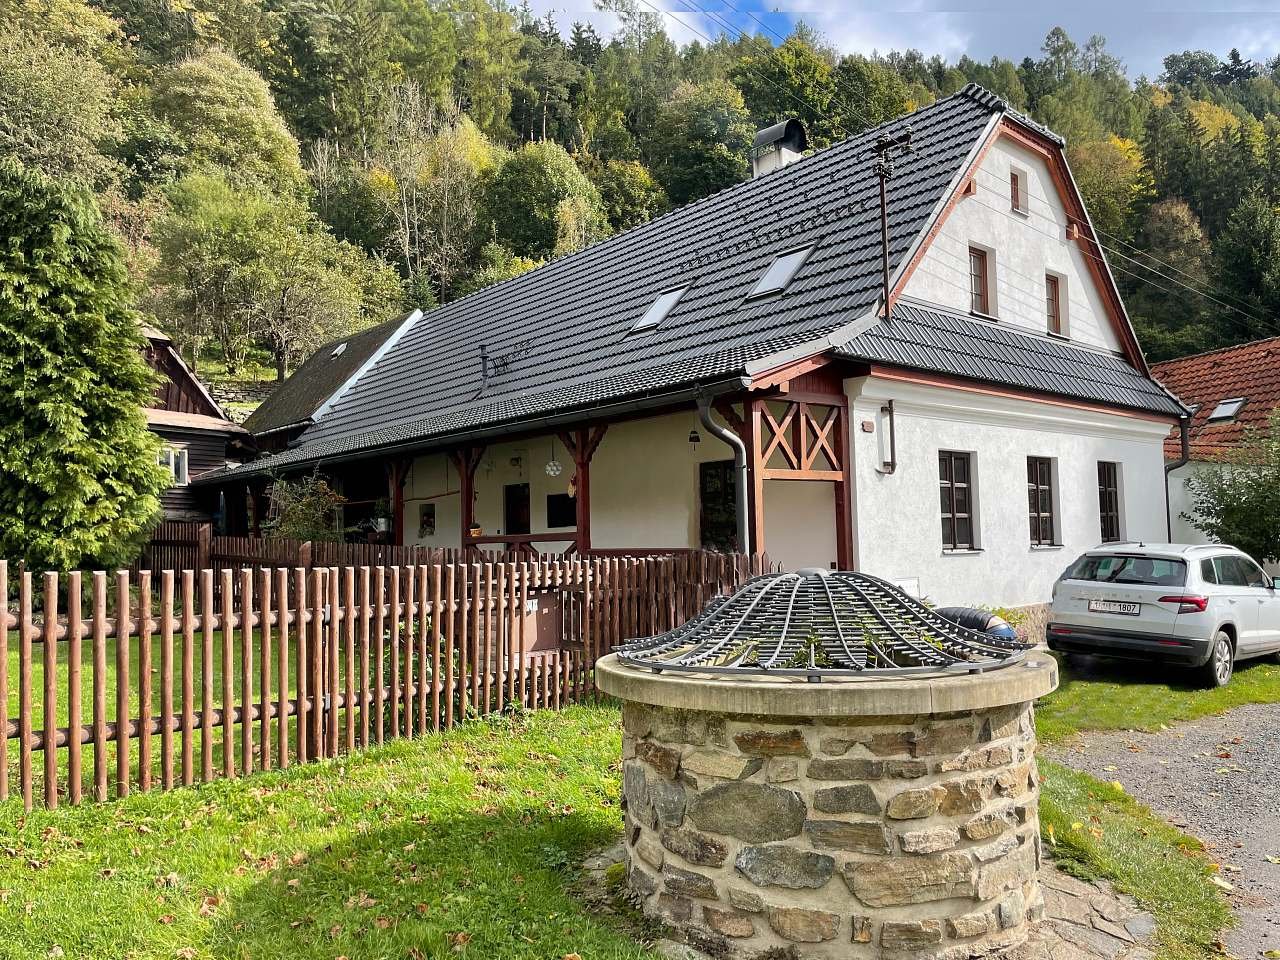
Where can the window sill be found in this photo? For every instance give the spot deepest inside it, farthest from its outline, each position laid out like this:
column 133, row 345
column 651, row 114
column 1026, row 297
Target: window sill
column 989, row 317
column 1057, row 336
column 1047, row 546
column 1021, row 211
column 962, row 552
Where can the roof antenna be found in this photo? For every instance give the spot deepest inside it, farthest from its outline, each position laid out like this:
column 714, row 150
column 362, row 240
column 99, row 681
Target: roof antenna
column 884, row 150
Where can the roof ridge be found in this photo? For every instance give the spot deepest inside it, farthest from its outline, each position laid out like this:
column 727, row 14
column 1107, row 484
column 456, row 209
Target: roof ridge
column 1209, row 353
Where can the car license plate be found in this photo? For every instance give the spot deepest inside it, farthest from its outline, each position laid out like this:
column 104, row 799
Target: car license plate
column 1114, row 606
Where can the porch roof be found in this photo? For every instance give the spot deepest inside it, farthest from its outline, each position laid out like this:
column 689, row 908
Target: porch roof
column 924, row 338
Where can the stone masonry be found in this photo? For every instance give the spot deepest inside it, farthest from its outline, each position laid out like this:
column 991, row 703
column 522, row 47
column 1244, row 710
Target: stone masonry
column 863, row 837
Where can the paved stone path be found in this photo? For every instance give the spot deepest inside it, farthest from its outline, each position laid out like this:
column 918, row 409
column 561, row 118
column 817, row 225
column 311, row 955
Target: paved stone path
column 1082, row 921
column 1218, row 779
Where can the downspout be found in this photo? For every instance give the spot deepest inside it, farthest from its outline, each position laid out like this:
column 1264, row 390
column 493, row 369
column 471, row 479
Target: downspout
column 1184, row 432
column 739, row 467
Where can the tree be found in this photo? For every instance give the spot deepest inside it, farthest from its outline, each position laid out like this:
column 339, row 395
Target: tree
column 878, row 94
column 55, row 108
column 244, row 268
column 630, row 194
column 497, row 264
column 1113, row 182
column 224, row 114
column 78, row 473
column 700, row 141
column 1248, row 260
column 1237, row 500
column 792, row 80
column 1170, row 321
column 523, row 200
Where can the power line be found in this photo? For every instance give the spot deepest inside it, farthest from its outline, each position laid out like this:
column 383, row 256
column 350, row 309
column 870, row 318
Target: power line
column 699, row 33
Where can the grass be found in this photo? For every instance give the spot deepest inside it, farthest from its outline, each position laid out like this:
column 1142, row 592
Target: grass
column 1099, row 694
column 456, row 845
column 1097, row 831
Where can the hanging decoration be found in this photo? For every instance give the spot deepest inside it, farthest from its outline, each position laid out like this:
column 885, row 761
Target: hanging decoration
column 554, row 469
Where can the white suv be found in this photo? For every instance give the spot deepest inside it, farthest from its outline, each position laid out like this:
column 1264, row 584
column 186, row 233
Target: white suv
column 1201, row 606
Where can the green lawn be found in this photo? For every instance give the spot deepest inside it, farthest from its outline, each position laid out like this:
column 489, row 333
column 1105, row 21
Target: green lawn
column 1098, row 694
column 453, row 845
column 464, row 844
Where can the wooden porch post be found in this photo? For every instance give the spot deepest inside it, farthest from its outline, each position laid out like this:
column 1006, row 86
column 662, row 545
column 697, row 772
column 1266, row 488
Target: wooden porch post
column 397, row 474
column 843, row 492
column 582, row 445
column 466, row 460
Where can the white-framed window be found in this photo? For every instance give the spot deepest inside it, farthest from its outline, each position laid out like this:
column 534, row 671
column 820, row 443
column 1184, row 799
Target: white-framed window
column 1055, row 303
column 174, row 459
column 982, row 281
column 1042, row 501
column 958, row 487
column 1019, row 201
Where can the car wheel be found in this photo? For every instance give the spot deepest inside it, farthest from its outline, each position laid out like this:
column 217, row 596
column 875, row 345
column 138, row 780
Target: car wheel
column 1217, row 672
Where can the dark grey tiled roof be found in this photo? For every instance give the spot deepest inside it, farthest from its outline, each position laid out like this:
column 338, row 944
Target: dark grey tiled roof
column 921, row 338
column 295, row 400
column 561, row 334
column 566, row 325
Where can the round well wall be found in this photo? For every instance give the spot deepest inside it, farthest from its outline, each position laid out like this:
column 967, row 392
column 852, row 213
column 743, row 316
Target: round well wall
column 880, row 827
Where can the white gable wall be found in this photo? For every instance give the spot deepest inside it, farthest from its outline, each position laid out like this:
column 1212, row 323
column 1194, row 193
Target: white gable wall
column 1022, row 248
column 898, row 530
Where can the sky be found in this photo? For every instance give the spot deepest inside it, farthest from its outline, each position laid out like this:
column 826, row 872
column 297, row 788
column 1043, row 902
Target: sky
column 1139, row 33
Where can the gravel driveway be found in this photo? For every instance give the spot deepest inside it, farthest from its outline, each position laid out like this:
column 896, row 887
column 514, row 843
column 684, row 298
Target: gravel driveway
column 1218, row 779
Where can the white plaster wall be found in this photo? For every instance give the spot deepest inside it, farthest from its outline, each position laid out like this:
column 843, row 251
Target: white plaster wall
column 1180, row 500
column 1024, row 247
column 644, row 493
column 799, row 523
column 898, row 518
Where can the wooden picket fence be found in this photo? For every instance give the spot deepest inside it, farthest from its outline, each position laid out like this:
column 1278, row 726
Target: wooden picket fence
column 221, row 673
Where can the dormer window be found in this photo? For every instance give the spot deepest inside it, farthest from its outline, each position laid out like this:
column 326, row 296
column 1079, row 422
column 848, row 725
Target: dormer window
column 1018, row 199
column 781, row 272
column 1227, row 410
column 659, row 310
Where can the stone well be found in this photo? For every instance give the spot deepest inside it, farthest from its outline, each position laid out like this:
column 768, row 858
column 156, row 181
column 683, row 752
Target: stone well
column 769, row 816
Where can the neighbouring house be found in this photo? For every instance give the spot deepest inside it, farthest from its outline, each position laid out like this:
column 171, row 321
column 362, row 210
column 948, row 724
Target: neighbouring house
column 726, row 376
column 198, row 436
column 1229, row 391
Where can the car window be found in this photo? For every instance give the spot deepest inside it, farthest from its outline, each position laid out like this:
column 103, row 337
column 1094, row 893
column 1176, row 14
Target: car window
column 1232, row 572
column 1115, row 568
column 1207, row 573
column 1253, row 573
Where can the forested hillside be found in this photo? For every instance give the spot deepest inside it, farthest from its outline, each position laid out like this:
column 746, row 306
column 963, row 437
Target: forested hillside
column 284, row 171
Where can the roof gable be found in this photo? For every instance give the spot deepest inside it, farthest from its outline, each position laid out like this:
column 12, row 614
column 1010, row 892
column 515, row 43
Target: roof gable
column 323, row 376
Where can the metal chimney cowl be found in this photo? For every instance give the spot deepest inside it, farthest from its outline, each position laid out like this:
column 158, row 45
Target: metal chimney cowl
column 819, row 767
column 777, row 146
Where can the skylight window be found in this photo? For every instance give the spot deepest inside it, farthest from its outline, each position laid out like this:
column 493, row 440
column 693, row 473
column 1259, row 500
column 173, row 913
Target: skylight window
column 1227, row 409
column 781, row 272
column 658, row 312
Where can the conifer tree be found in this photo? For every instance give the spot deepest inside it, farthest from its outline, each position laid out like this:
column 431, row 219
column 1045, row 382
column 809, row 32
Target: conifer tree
column 78, row 473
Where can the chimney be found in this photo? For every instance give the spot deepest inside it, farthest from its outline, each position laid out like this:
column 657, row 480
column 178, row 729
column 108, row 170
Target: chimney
column 777, row 146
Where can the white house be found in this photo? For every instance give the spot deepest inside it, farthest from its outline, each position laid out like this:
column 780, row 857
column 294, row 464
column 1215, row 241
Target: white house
column 726, row 377
column 1228, row 391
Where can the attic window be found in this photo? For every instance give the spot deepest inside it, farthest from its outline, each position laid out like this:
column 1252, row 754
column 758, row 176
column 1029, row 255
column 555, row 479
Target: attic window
column 781, row 272
column 337, row 351
column 661, row 307
column 1018, row 199
column 1227, row 409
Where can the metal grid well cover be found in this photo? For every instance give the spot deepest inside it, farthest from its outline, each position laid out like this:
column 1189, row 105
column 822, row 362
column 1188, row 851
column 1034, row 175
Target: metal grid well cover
column 816, row 624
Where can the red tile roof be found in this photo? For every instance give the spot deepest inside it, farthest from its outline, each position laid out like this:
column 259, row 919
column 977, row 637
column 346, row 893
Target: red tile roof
column 1251, row 370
